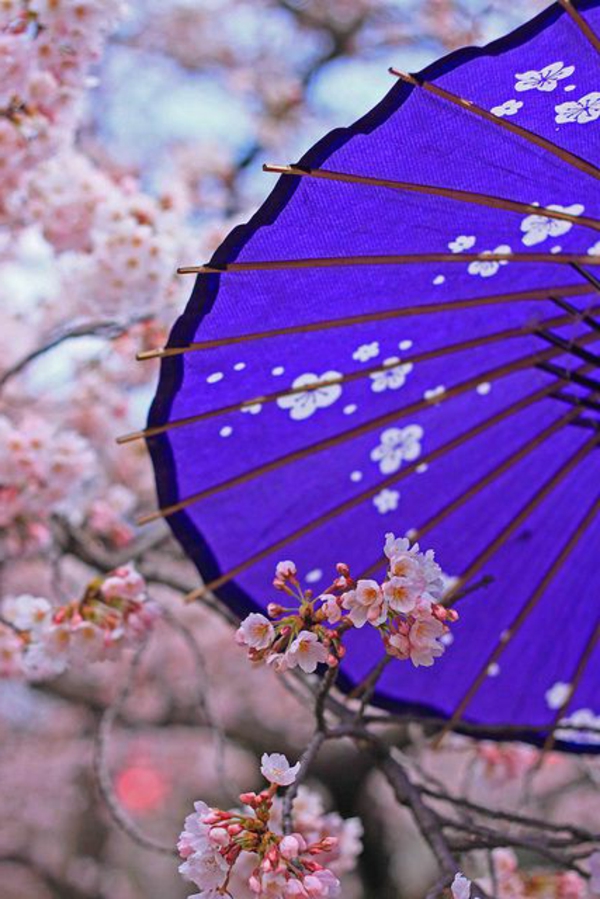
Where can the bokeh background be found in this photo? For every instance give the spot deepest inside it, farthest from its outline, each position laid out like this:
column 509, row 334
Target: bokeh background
column 131, row 141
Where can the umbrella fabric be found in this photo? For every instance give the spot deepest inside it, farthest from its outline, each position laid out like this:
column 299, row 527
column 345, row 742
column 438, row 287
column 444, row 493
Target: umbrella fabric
column 479, row 437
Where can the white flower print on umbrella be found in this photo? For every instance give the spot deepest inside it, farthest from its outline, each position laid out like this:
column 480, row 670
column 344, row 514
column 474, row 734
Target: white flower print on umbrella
column 586, row 109
column 537, row 228
column 487, row 269
column 366, row 351
column 386, row 501
column 558, row 694
column 595, row 249
column 510, row 107
column 397, row 445
column 544, row 80
column 461, row 243
column 304, row 403
column 393, row 377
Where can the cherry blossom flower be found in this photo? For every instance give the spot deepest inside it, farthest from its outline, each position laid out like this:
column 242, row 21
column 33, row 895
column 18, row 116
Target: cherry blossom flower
column 256, row 631
column 365, row 603
column 544, row 80
column 392, row 377
column 508, row 108
column 305, row 403
column 461, row 887
column 486, row 269
column 307, row 652
column 277, row 770
column 537, row 228
column 586, row 109
column 397, row 445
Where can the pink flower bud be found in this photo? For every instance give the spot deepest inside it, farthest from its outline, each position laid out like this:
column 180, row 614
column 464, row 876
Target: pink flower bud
column 274, row 610
column 248, row 798
column 289, row 847
column 452, row 615
column 234, row 829
column 329, row 843
column 342, row 569
column 219, row 836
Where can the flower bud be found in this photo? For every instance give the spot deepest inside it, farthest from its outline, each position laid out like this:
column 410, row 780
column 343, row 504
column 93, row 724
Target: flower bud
column 274, row 610
column 289, row 847
column 219, row 836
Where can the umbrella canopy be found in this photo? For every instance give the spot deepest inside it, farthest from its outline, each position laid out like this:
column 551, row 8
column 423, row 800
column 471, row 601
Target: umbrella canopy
column 431, row 267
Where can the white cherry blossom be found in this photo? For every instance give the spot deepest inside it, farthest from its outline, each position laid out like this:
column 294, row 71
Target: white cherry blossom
column 486, row 268
column 256, row 631
column 544, row 80
column 277, row 770
column 509, row 107
column 537, row 227
column 386, row 501
column 307, row 652
column 586, row 109
column 366, row 351
column 304, row 403
column 393, row 377
column 461, row 887
column 461, row 243
column 397, row 445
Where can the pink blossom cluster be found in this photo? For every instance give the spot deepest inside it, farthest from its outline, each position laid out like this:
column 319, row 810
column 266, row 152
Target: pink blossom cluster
column 42, row 469
column 38, row 640
column 46, row 50
column 243, row 852
column 405, row 609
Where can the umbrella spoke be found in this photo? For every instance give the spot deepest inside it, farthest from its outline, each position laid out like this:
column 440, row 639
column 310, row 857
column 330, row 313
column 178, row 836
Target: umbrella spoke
column 480, row 484
column 493, row 374
column 438, row 453
column 402, row 259
column 581, row 23
column 530, row 506
column 464, row 196
column 425, row 356
column 550, row 574
column 501, row 122
column 573, row 684
column 383, row 315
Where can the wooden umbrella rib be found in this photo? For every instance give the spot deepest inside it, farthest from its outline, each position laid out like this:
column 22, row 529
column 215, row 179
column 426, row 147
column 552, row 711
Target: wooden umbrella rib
column 450, row 445
column 569, row 375
column 383, row 315
column 581, row 23
column 579, row 401
column 574, row 682
column 530, row 506
column 584, row 314
column 549, row 575
column 483, row 482
column 591, row 279
column 388, row 418
column 464, row 196
column 274, row 265
column 501, row 122
column 424, row 356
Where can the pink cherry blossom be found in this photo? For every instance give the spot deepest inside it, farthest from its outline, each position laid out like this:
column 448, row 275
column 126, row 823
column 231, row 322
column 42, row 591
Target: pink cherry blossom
column 307, row 652
column 365, row 604
column 256, row 631
column 277, row 770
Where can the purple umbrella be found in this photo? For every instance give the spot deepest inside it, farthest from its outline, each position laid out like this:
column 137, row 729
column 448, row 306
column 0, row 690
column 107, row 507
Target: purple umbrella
column 404, row 338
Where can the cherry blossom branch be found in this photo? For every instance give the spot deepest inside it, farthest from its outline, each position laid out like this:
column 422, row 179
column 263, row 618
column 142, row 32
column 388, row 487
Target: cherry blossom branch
column 101, row 771
column 107, row 328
